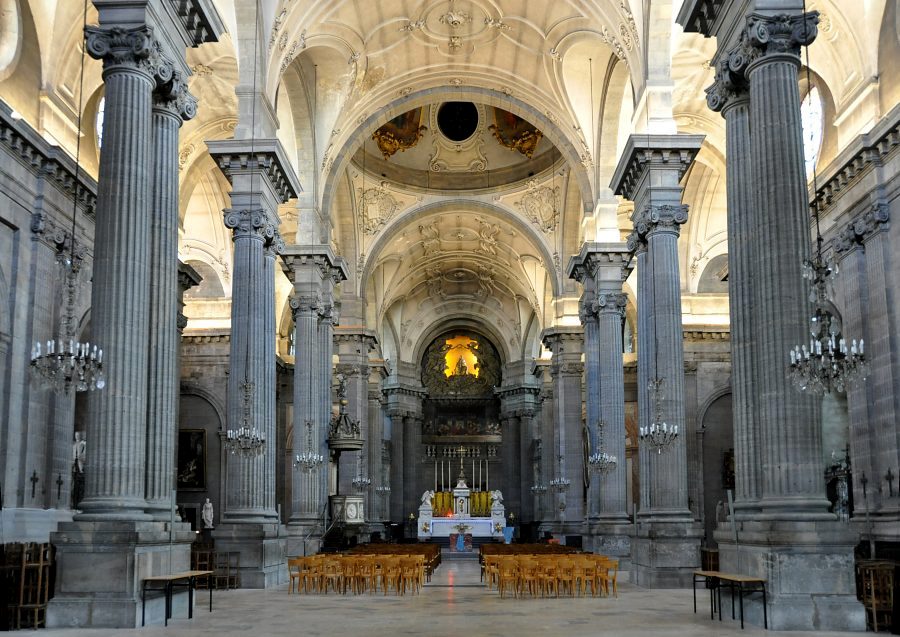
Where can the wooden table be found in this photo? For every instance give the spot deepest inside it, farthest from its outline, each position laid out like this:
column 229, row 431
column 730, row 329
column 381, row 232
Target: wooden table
column 744, row 584
column 167, row 584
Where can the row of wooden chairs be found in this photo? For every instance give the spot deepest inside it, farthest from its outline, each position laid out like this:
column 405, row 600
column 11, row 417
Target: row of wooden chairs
column 543, row 575
column 430, row 552
column 526, row 549
column 357, row 574
column 225, row 564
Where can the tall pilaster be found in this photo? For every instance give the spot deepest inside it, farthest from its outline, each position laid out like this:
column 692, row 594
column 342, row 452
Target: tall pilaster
column 172, row 104
column 261, row 179
column 378, row 499
column 312, row 270
column 730, row 96
column 354, row 346
column 649, row 173
column 784, row 520
column 566, row 368
column 404, row 406
column 141, row 49
column 602, row 268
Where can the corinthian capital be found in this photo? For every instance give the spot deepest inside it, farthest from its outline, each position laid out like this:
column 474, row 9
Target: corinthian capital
column 304, row 304
column 274, row 242
column 246, row 223
column 612, row 303
column 587, row 307
column 781, row 33
column 136, row 48
column 664, row 218
column 172, row 95
column 731, row 81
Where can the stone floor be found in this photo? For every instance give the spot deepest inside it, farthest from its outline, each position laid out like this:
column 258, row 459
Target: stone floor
column 453, row 604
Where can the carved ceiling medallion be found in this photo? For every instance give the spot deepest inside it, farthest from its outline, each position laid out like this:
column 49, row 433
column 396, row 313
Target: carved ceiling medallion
column 541, row 205
column 375, row 207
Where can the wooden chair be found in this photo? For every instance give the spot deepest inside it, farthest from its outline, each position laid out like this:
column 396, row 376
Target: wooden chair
column 410, row 574
column 878, row 594
column 549, row 575
column 391, row 574
column 566, row 575
column 508, row 576
column 295, row 573
column 529, row 579
column 332, row 574
column 586, row 570
column 491, row 570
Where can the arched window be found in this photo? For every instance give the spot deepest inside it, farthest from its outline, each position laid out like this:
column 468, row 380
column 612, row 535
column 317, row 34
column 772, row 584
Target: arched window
column 812, row 120
column 98, row 123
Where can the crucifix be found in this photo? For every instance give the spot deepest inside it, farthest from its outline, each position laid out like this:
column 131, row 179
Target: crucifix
column 34, row 480
column 889, row 477
column 59, row 483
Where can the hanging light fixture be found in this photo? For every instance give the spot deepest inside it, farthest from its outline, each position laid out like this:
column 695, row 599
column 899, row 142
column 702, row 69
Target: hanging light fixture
column 600, row 461
column 64, row 363
column 831, row 363
column 360, row 482
column 539, row 488
column 309, row 460
column 659, row 434
column 560, row 483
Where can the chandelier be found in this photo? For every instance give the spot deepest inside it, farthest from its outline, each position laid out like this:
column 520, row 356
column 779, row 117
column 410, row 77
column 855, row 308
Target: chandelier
column 560, row 483
column 383, row 489
column 246, row 439
column 309, row 460
column 658, row 434
column 64, row 363
column 361, row 481
column 539, row 489
column 830, row 363
column 601, row 462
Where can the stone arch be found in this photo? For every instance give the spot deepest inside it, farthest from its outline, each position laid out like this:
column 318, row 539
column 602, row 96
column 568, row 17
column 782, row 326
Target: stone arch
column 192, row 388
column 716, row 409
column 349, row 142
column 409, row 218
column 449, row 323
column 11, row 31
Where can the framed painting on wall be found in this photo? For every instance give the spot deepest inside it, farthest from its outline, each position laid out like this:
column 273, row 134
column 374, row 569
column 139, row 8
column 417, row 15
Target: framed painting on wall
column 192, row 459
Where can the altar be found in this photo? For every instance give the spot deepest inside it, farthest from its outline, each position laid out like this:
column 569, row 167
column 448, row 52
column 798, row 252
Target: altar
column 463, row 518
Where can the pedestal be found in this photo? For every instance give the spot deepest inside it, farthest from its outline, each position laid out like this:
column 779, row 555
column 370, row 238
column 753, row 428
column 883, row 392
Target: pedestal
column 101, row 566
column 809, row 572
column 666, row 553
column 262, row 548
column 613, row 539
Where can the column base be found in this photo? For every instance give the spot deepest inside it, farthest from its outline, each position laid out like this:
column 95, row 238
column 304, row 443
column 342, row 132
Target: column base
column 31, row 525
column 809, row 572
column 665, row 552
column 262, row 549
column 101, row 566
column 612, row 538
column 303, row 538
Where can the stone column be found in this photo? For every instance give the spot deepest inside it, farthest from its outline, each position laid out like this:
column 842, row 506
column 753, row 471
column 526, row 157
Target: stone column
column 649, row 173
column 566, row 368
column 114, row 487
column 261, row 179
column 375, row 445
column 510, row 482
column 311, row 269
column 172, row 104
column 404, row 406
column 587, row 313
column 398, row 462
column 730, row 96
column 353, row 353
column 603, row 268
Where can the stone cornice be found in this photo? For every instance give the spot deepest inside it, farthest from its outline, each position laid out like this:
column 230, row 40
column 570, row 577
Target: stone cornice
column 261, row 156
column 517, row 390
column 45, row 161
column 644, row 152
column 593, row 256
column 398, row 389
column 198, row 339
column 188, row 277
column 875, row 219
column 199, row 19
column 698, row 16
column 711, row 333
column 364, row 337
column 866, row 152
column 297, row 256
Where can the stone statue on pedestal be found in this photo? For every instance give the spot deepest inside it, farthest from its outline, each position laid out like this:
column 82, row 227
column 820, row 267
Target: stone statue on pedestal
column 206, row 514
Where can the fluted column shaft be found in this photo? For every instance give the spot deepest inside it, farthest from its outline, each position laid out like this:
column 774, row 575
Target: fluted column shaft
column 790, row 428
column 613, row 488
column 646, row 350
column 116, row 422
column 305, row 504
column 172, row 104
column 266, row 465
column 324, row 367
column 589, row 320
column 397, row 466
column 742, row 314
column 668, row 477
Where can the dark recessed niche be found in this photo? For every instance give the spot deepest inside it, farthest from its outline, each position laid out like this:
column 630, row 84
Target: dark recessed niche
column 457, row 120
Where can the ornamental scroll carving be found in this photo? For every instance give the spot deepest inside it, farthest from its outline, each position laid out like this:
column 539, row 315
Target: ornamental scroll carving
column 462, row 378
column 541, row 205
column 376, row 207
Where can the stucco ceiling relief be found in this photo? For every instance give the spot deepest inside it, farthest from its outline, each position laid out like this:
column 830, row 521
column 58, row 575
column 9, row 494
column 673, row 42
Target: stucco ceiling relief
column 377, row 203
column 455, row 26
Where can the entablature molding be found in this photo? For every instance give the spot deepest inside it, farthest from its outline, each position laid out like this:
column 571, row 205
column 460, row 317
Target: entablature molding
column 265, row 158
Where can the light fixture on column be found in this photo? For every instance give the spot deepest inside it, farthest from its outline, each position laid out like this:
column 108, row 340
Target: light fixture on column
column 539, row 489
column 360, row 482
column 658, row 434
column 600, row 461
column 560, row 483
column 246, row 440
column 309, row 460
column 383, row 489
column 64, row 363
column 832, row 362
